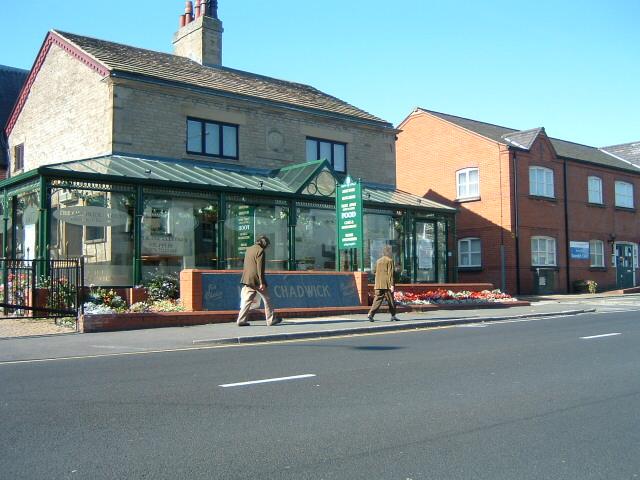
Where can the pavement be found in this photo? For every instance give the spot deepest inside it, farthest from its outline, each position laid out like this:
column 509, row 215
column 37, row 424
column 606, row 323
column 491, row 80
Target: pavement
column 69, row 344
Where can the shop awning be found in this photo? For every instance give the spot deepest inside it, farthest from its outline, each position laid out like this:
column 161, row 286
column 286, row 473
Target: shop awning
column 313, row 179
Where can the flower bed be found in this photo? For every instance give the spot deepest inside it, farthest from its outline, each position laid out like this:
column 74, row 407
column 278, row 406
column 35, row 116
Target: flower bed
column 449, row 297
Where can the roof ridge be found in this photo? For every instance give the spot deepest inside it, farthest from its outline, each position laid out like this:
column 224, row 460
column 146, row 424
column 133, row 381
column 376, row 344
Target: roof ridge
column 633, row 143
column 470, row 119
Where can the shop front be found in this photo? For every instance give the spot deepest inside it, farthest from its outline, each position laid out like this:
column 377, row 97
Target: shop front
column 130, row 218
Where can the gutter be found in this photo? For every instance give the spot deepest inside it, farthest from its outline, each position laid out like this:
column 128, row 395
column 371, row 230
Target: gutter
column 516, row 221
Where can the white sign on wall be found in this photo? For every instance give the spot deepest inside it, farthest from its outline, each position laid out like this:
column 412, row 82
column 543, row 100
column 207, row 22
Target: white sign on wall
column 91, row 216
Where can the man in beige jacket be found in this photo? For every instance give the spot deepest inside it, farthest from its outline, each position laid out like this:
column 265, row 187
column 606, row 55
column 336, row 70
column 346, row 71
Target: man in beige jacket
column 253, row 282
column 385, row 284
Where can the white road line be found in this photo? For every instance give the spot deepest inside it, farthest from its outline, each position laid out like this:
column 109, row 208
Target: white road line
column 600, row 336
column 267, row 380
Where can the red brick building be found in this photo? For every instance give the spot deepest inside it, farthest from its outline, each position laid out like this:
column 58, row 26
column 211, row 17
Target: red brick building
column 536, row 214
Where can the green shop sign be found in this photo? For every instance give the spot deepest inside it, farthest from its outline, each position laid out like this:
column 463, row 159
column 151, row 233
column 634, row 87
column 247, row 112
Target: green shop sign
column 244, row 219
column 349, row 211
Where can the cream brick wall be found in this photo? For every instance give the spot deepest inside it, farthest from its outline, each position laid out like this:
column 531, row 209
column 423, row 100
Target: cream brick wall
column 67, row 115
column 151, row 120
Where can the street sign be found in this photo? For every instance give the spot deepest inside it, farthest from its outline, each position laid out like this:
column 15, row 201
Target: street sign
column 349, row 212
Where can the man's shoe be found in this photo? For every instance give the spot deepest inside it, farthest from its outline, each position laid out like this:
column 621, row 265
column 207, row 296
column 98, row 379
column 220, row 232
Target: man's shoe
column 243, row 324
column 275, row 322
column 394, row 318
column 370, row 318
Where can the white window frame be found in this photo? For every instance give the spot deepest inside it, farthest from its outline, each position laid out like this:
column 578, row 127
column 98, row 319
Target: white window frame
column 541, row 187
column 469, row 253
column 535, row 254
column 464, row 186
column 596, row 257
column 624, row 195
column 594, row 195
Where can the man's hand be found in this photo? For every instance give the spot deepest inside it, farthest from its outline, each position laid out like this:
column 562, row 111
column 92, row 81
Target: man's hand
column 262, row 287
column 392, row 288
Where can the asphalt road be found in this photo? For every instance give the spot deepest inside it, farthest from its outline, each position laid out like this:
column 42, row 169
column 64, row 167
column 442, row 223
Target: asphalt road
column 521, row 400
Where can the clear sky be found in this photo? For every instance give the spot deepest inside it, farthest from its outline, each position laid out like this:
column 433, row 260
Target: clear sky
column 570, row 66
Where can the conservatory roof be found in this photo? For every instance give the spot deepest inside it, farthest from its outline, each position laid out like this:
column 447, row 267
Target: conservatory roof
column 288, row 181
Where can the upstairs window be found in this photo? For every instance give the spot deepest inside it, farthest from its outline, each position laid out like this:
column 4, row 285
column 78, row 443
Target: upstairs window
column 596, row 253
column 624, row 195
column 595, row 190
column 334, row 152
column 18, row 157
column 468, row 181
column 541, row 182
column 214, row 139
column 543, row 252
column 469, row 252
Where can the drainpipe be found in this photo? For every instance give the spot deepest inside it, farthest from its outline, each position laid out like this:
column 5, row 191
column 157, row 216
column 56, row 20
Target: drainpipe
column 517, row 220
column 566, row 226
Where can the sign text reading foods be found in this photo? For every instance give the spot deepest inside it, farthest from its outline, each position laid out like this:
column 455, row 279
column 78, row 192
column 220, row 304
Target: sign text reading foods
column 349, row 211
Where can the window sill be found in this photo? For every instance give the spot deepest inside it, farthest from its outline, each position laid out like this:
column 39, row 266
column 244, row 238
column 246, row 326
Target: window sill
column 93, row 242
column 596, row 205
column 470, row 269
column 597, row 269
column 206, row 156
column 541, row 197
column 545, row 267
column 625, row 209
column 467, row 199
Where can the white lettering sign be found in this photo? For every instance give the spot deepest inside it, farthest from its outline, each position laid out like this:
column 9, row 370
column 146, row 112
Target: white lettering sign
column 91, row 216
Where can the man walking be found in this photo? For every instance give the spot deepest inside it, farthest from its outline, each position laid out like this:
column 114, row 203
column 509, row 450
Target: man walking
column 253, row 282
column 385, row 284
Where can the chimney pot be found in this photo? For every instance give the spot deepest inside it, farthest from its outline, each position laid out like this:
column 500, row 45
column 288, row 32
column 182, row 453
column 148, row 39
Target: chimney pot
column 183, row 20
column 188, row 11
column 197, row 15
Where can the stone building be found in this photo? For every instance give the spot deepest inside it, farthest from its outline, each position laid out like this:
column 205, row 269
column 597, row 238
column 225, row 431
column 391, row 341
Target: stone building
column 536, row 214
column 142, row 161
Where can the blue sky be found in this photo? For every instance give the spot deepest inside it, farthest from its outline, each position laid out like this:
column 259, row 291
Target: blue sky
column 570, row 66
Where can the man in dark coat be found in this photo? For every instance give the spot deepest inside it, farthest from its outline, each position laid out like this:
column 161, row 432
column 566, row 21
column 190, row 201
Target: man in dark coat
column 253, row 282
column 385, row 284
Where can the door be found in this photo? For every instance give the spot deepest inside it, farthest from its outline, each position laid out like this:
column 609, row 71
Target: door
column 425, row 252
column 624, row 265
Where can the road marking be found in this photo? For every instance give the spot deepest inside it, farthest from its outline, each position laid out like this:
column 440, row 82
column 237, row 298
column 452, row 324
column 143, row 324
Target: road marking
column 267, row 380
column 600, row 336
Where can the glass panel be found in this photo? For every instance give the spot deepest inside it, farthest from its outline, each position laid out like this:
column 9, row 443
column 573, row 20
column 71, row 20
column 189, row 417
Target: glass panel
column 381, row 230
column 315, row 239
column 26, row 225
column 425, row 252
column 312, row 150
column 339, row 158
column 178, row 233
column 325, row 150
column 212, row 138
column 194, row 136
column 245, row 223
column 97, row 226
column 229, row 141
column 473, row 183
column 441, row 251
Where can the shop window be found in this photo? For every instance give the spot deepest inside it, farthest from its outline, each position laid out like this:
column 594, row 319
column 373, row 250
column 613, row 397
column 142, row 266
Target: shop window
column 315, row 239
column 468, row 182
column 18, row 157
column 469, row 252
column 381, row 230
column 177, row 233
column 98, row 227
column 624, row 195
column 595, row 190
column 246, row 223
column 334, row 152
column 541, row 182
column 212, row 138
column 543, row 251
column 596, row 253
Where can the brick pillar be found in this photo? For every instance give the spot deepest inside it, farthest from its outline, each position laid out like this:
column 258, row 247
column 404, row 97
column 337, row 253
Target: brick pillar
column 191, row 290
column 362, row 284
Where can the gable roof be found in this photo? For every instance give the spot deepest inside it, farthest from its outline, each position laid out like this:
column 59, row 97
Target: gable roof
column 181, row 70
column 626, row 151
column 564, row 148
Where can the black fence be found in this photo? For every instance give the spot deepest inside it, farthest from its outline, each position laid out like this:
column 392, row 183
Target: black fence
column 41, row 288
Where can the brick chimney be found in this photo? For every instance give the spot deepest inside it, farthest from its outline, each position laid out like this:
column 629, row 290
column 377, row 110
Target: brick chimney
column 200, row 34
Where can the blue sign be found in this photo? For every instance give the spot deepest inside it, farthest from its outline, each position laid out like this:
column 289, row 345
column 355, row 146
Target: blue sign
column 579, row 250
column 221, row 291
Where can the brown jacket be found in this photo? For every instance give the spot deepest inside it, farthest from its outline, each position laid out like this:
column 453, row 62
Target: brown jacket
column 253, row 271
column 385, row 270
